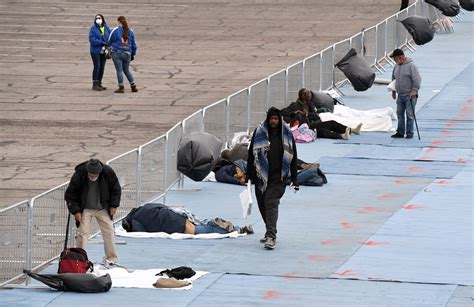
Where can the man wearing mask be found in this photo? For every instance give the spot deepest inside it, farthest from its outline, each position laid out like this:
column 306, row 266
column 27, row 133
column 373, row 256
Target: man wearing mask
column 272, row 155
column 407, row 84
column 94, row 191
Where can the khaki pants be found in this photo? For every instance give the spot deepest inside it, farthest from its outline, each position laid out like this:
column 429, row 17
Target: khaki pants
column 106, row 227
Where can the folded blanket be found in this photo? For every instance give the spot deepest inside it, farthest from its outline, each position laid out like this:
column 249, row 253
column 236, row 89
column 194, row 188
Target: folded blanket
column 119, row 231
column 123, row 278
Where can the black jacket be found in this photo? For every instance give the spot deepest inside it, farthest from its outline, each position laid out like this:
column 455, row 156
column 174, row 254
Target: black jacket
column 290, row 115
column 76, row 192
column 155, row 218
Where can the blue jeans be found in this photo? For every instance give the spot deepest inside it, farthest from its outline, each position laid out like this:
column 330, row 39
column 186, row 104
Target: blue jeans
column 99, row 65
column 210, row 227
column 122, row 63
column 404, row 106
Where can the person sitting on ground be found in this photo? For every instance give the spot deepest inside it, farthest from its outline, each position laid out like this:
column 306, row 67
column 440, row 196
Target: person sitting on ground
column 303, row 111
column 239, row 152
column 154, row 217
column 227, row 171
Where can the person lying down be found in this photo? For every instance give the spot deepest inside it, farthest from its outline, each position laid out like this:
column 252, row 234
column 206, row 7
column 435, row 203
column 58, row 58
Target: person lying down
column 154, row 217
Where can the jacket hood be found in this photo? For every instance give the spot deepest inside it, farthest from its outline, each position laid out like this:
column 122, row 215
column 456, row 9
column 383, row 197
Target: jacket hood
column 104, row 23
column 273, row 112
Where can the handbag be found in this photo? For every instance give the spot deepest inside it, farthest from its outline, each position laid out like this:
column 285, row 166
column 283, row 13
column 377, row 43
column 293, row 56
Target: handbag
column 73, row 259
column 108, row 52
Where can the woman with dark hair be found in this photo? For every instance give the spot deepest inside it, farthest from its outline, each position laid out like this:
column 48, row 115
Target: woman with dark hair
column 98, row 35
column 122, row 41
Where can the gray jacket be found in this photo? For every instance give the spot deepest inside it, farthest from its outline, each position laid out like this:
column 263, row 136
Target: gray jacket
column 407, row 76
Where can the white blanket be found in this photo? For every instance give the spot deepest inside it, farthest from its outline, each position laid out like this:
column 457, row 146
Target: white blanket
column 372, row 120
column 121, row 278
column 119, row 231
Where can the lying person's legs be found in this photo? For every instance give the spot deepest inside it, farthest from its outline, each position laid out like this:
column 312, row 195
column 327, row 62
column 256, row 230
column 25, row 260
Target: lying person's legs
column 331, row 130
column 211, row 227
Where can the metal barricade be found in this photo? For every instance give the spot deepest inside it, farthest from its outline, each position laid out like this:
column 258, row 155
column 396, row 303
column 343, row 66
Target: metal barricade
column 13, row 242
column 238, row 117
column 193, row 123
column 214, row 117
column 357, row 43
column 381, row 29
column 172, row 140
column 257, row 103
column 48, row 222
column 327, row 68
column 294, row 77
column 401, row 31
column 312, row 72
column 128, row 173
column 152, row 170
column 340, row 50
column 277, row 90
column 392, row 33
column 370, row 45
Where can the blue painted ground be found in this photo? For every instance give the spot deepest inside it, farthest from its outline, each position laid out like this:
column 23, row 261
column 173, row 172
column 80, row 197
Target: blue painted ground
column 393, row 227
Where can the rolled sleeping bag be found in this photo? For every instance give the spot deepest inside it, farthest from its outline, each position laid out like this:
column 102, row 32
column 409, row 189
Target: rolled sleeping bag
column 420, row 28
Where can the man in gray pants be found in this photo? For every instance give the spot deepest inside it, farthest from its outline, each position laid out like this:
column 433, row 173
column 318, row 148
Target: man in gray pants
column 407, row 84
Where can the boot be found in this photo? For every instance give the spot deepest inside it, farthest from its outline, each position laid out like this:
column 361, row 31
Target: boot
column 120, row 90
column 345, row 135
column 102, row 87
column 356, row 130
column 96, row 86
column 134, row 87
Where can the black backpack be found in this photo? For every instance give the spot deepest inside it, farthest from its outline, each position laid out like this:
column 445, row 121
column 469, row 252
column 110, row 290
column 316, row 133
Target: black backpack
column 181, row 272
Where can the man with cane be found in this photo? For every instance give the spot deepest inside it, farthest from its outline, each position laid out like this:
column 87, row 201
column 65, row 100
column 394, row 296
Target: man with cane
column 407, row 85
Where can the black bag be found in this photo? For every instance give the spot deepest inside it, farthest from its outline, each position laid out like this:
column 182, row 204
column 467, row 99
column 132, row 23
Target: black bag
column 181, row 272
column 447, row 7
column 468, row 5
column 108, row 52
column 74, row 282
column 73, row 260
column 357, row 70
column 420, row 28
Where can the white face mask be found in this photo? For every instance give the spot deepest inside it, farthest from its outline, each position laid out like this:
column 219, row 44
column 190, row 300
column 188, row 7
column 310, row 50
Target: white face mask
column 98, row 21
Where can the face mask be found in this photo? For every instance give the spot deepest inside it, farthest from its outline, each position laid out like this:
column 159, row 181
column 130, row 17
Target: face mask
column 98, row 21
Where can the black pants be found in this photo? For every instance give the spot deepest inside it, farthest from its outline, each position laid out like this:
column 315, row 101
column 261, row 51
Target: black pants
column 268, row 202
column 329, row 130
column 99, row 65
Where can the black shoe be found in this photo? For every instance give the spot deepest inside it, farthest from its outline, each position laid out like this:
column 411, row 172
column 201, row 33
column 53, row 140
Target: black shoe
column 96, row 86
column 270, row 243
column 397, row 136
column 409, row 136
column 248, row 229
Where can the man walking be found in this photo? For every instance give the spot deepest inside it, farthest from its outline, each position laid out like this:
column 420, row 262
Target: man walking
column 94, row 191
column 407, row 84
column 272, row 154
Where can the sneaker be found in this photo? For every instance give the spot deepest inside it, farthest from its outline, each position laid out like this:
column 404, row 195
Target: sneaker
column 397, row 136
column 248, row 229
column 409, row 136
column 270, row 243
column 263, row 240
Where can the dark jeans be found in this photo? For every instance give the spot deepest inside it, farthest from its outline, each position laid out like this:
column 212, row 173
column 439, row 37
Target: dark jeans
column 268, row 202
column 99, row 65
column 329, row 130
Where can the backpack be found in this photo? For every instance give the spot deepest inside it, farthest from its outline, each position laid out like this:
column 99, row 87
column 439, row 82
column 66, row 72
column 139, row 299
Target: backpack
column 181, row 272
column 74, row 260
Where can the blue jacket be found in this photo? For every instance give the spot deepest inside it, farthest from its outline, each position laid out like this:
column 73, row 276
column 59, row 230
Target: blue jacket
column 96, row 40
column 156, row 218
column 117, row 43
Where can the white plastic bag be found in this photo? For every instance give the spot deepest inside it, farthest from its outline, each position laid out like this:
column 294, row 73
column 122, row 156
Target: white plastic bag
column 246, row 200
column 391, row 87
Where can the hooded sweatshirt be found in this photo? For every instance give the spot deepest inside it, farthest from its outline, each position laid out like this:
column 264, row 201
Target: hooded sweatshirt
column 407, row 76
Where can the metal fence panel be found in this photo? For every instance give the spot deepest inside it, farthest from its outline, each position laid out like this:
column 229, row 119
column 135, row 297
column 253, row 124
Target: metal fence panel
column 277, row 90
column 238, row 113
column 340, row 50
column 126, row 168
column 152, row 169
column 391, row 33
column 295, row 76
column 193, row 123
column 401, row 31
column 173, row 138
column 327, row 67
column 370, row 45
column 312, row 72
column 215, row 119
column 357, row 43
column 50, row 215
column 13, row 241
column 381, row 40
column 258, row 103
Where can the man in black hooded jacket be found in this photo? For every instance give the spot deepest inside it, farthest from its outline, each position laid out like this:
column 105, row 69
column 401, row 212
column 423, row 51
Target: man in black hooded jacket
column 272, row 155
column 94, row 191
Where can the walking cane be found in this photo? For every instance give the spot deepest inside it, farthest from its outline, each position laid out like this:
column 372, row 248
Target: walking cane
column 414, row 116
